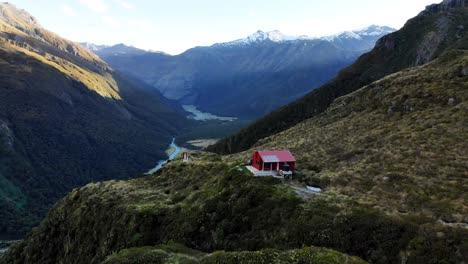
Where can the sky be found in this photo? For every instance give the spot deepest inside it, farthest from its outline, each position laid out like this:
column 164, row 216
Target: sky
column 173, row 26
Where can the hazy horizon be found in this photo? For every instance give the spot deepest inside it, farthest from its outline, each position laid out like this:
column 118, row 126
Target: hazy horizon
column 176, row 26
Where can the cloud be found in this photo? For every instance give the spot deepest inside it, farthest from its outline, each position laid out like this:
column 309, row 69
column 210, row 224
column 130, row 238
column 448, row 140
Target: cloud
column 126, row 5
column 111, row 22
column 141, row 24
column 68, row 10
column 95, row 5
column 252, row 13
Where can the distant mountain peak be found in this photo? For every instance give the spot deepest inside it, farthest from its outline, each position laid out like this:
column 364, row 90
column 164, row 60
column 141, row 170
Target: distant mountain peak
column 93, row 47
column 120, row 48
column 261, row 36
column 279, row 37
column 106, row 50
column 275, row 36
column 372, row 30
column 16, row 17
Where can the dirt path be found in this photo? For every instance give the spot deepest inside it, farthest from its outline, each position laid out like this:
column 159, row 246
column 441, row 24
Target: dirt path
column 302, row 191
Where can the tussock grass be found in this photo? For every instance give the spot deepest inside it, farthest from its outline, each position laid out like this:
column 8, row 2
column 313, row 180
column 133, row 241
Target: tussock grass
column 399, row 144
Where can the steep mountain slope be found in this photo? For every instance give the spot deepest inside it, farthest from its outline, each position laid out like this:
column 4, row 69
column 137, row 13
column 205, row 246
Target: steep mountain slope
column 387, row 144
column 434, row 31
column 249, row 77
column 66, row 119
column 391, row 159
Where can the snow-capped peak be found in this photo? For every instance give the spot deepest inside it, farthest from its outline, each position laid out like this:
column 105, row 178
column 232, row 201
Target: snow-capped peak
column 260, row 36
column 375, row 30
column 278, row 37
column 360, row 33
column 93, row 47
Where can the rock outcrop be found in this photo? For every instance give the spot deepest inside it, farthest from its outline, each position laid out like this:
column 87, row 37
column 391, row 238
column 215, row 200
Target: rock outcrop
column 455, row 3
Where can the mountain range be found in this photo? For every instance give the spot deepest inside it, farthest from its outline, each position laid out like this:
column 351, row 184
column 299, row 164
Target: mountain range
column 421, row 40
column 362, row 39
column 67, row 119
column 384, row 143
column 246, row 78
column 118, row 49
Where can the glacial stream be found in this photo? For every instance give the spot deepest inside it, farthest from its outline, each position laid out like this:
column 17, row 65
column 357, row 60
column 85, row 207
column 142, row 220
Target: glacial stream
column 5, row 244
column 176, row 148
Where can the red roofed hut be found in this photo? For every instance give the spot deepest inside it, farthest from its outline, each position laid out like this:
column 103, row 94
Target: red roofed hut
column 274, row 161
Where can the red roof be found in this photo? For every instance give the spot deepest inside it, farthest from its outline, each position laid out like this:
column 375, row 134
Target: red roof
column 282, row 155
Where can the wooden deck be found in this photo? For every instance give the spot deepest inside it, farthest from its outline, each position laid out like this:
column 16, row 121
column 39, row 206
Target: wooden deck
column 263, row 173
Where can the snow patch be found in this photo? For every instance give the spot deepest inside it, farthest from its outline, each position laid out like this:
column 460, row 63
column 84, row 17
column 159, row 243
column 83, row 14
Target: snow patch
column 278, row 37
column 360, row 33
column 260, row 36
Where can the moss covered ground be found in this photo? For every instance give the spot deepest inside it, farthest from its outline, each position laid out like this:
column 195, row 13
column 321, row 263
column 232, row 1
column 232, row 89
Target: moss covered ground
column 208, row 206
column 398, row 145
column 174, row 253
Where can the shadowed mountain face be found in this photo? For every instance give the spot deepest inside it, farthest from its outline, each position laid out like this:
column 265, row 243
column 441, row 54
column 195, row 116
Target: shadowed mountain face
column 437, row 29
column 66, row 119
column 249, row 77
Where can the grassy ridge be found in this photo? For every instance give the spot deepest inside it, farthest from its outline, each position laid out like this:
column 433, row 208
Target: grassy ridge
column 387, row 144
column 208, row 205
column 178, row 254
